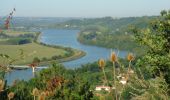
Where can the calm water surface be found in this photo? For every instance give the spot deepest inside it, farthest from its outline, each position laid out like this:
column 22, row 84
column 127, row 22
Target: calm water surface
column 67, row 38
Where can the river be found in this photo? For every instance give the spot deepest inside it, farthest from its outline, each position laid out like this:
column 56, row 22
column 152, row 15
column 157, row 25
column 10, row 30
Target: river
column 67, row 38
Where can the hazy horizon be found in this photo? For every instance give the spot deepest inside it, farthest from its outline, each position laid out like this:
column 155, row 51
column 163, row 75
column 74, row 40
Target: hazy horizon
column 84, row 9
column 79, row 17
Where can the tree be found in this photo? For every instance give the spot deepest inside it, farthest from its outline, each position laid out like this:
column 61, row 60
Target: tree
column 157, row 39
column 36, row 60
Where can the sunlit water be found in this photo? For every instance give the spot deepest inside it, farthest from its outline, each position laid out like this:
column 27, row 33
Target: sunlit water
column 67, row 38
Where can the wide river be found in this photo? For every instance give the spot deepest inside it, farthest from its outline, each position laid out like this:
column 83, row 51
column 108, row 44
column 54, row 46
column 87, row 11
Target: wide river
column 67, row 38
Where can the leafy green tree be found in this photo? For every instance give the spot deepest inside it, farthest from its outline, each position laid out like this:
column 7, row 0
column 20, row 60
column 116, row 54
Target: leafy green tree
column 157, row 39
column 36, row 60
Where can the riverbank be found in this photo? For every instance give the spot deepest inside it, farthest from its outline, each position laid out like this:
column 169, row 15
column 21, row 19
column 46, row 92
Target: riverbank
column 76, row 53
column 119, row 41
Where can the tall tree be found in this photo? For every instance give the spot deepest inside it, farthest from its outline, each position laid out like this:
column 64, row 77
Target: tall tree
column 157, row 39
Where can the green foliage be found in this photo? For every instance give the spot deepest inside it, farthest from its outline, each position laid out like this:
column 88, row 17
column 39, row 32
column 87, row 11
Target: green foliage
column 70, row 88
column 119, row 41
column 113, row 34
column 107, row 23
column 56, row 57
column 139, row 88
column 19, row 41
column 16, row 37
column 157, row 39
column 36, row 60
column 79, row 84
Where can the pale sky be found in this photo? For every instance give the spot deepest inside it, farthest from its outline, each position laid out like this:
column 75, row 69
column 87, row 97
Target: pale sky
column 83, row 8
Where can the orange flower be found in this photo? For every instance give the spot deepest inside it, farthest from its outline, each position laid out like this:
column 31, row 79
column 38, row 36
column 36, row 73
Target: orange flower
column 130, row 57
column 11, row 95
column 101, row 63
column 113, row 57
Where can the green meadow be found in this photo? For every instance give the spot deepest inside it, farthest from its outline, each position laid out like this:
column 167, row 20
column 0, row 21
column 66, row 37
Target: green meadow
column 31, row 51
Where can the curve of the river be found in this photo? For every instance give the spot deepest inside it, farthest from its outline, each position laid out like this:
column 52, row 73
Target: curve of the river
column 67, row 38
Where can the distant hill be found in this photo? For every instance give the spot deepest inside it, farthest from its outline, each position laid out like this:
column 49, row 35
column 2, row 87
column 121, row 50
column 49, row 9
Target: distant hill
column 109, row 22
column 32, row 22
column 75, row 23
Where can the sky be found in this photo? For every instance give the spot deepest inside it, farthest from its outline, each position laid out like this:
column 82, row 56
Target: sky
column 83, row 8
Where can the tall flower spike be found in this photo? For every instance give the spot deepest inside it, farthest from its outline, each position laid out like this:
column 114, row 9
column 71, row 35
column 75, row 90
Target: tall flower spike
column 42, row 96
column 101, row 63
column 2, row 83
column 130, row 57
column 113, row 57
column 35, row 92
column 11, row 95
column 47, row 93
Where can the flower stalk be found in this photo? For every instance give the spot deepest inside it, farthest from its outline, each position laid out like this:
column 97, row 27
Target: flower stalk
column 114, row 59
column 102, row 65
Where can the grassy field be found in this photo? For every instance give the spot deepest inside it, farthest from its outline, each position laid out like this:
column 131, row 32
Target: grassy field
column 30, row 51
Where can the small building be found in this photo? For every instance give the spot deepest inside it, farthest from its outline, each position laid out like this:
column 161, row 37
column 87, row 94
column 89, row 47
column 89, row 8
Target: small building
column 106, row 88
column 67, row 25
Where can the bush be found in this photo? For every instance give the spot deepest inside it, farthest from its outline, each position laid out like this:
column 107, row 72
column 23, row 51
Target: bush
column 19, row 41
column 24, row 41
column 56, row 57
column 44, row 59
column 36, row 60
